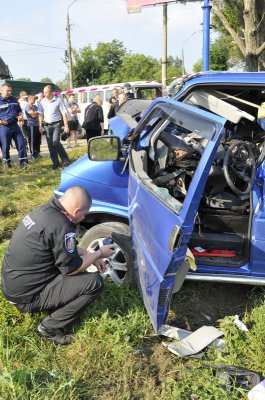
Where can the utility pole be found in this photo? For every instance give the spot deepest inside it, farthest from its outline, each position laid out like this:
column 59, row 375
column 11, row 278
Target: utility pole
column 69, row 48
column 206, row 35
column 164, row 48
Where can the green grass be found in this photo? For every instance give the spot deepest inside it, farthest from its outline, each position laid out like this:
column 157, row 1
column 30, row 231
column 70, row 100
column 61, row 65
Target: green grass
column 115, row 354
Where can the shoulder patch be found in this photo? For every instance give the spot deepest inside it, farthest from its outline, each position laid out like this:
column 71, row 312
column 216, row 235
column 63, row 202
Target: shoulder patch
column 70, row 242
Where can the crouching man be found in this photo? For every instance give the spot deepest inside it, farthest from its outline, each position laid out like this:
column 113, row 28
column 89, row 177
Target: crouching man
column 44, row 270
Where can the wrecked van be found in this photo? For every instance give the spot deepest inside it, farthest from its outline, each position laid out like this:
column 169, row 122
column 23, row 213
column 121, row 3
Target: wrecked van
column 180, row 173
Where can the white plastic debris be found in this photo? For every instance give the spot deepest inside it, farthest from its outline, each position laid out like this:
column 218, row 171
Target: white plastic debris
column 193, row 343
column 240, row 324
column 257, row 392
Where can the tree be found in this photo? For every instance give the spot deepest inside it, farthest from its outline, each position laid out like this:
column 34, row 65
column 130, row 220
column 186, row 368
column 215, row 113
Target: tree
column 219, row 54
column 46, row 79
column 174, row 62
column 63, row 84
column 244, row 22
column 138, row 67
column 23, row 79
column 85, row 67
column 98, row 66
column 197, row 67
column 110, row 62
column 109, row 58
column 174, row 67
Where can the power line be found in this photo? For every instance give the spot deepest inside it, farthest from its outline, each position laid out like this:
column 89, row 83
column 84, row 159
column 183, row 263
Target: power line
column 32, row 44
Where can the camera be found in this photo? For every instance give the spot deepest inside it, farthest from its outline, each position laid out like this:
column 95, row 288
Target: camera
column 108, row 240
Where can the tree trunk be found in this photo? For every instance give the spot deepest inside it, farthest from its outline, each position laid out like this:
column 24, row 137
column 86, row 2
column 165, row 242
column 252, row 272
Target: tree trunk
column 252, row 62
column 252, row 33
column 252, row 45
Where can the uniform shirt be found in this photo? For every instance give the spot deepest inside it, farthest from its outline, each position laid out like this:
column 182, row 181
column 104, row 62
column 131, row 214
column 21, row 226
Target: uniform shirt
column 9, row 109
column 42, row 247
column 31, row 121
column 70, row 116
column 51, row 109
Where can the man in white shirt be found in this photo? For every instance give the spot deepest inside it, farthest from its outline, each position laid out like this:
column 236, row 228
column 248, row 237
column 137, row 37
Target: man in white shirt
column 52, row 114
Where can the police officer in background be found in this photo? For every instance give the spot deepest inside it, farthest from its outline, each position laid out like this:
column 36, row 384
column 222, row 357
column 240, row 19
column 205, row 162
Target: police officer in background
column 10, row 115
column 44, row 270
column 52, row 113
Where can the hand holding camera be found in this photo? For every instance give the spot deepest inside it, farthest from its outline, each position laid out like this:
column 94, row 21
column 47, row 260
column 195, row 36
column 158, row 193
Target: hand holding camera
column 108, row 248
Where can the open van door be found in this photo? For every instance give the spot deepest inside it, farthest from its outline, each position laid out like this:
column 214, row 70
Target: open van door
column 161, row 225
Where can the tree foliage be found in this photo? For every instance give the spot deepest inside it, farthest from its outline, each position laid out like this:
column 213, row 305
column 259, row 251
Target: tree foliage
column 219, row 55
column 242, row 22
column 138, row 67
column 23, row 79
column 111, row 62
column 63, row 84
column 85, row 66
column 110, row 57
column 46, row 79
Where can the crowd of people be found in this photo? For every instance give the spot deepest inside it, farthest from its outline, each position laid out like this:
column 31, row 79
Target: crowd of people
column 24, row 120
column 94, row 116
column 118, row 98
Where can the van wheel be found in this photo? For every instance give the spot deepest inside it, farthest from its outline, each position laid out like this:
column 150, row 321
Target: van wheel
column 120, row 264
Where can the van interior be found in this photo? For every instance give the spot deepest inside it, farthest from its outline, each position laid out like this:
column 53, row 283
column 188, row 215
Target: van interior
column 167, row 165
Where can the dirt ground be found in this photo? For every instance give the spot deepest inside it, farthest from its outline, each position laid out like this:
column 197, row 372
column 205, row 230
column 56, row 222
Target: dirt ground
column 203, row 303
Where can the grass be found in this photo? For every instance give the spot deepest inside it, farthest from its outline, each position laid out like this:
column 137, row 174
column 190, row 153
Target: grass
column 115, row 354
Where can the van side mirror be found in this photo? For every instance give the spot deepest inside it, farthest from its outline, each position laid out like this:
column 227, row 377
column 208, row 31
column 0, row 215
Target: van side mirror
column 104, row 148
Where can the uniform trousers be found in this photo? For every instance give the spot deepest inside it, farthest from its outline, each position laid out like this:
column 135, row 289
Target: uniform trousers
column 53, row 133
column 7, row 133
column 65, row 298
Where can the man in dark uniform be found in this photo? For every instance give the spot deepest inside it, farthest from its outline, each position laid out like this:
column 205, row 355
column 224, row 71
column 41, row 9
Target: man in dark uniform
column 44, row 270
column 10, row 115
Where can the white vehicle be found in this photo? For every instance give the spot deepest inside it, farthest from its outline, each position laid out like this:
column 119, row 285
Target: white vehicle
column 147, row 90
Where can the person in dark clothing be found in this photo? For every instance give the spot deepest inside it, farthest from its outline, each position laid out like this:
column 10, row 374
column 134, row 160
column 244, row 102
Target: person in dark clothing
column 112, row 102
column 34, row 134
column 94, row 119
column 10, row 115
column 127, row 90
column 44, row 269
column 116, row 105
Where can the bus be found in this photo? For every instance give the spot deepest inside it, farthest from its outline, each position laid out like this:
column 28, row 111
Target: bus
column 147, row 90
column 28, row 86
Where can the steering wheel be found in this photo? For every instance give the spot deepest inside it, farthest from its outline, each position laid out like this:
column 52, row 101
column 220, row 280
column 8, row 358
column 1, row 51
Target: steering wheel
column 239, row 167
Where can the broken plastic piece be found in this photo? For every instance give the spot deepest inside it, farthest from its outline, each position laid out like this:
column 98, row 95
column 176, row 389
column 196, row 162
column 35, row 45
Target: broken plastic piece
column 240, row 324
column 236, row 377
column 195, row 342
column 191, row 260
column 257, row 392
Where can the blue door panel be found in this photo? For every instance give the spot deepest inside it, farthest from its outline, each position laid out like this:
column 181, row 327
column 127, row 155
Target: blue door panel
column 160, row 232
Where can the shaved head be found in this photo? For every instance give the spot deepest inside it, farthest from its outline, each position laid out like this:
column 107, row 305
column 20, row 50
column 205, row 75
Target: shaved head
column 75, row 198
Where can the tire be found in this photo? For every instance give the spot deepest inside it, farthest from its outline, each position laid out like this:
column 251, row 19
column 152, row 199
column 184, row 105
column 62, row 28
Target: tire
column 121, row 268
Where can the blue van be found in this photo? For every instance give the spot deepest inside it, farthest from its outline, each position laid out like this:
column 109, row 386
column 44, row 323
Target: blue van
column 180, row 173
